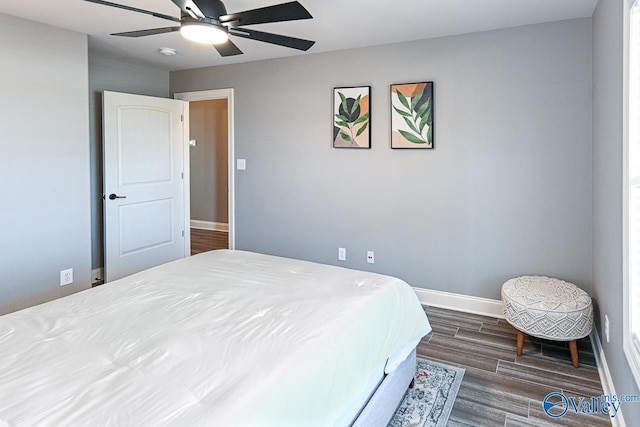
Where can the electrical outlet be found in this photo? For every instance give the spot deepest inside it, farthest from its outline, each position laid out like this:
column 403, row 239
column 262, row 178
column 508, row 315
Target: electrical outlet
column 66, row 277
column 342, row 254
column 606, row 327
column 370, row 259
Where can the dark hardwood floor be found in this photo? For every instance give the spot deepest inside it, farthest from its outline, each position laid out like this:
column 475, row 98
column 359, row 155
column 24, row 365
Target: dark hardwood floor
column 500, row 389
column 207, row 240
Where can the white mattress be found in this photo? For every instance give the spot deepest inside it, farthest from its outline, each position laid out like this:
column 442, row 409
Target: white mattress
column 220, row 338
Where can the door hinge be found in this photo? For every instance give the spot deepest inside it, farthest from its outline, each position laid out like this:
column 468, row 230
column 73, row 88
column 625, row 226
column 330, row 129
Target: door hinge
column 182, row 233
column 182, row 117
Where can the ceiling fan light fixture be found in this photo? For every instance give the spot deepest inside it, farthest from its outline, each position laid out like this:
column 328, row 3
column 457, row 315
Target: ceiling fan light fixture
column 202, row 32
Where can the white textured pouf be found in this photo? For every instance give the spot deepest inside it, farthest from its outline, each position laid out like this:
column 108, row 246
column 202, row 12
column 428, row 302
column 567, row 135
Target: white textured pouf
column 547, row 308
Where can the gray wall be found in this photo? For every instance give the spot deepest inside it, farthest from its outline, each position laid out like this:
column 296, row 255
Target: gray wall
column 44, row 163
column 113, row 74
column 209, row 168
column 607, row 190
column 507, row 190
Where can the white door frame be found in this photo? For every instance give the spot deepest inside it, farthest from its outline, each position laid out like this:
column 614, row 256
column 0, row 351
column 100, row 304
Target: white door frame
column 207, row 95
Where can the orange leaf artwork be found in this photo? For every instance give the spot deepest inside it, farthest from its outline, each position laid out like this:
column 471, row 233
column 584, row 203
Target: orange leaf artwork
column 412, row 115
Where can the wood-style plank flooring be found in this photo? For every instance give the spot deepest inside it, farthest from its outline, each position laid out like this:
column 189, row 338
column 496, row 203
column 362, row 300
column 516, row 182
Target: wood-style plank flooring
column 500, row 389
column 207, row 240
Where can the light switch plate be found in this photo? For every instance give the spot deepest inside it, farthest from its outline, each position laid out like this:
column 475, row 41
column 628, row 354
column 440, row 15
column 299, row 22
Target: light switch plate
column 241, row 164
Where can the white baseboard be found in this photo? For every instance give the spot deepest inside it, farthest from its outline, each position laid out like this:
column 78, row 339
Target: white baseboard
column 605, row 375
column 459, row 302
column 209, row 225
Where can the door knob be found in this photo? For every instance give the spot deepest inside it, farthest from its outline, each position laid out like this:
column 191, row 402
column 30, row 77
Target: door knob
column 115, row 196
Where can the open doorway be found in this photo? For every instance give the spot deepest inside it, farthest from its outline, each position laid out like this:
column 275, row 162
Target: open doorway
column 209, row 159
column 210, row 124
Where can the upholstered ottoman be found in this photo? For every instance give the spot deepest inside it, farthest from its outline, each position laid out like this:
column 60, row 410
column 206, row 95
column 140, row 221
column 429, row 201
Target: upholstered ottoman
column 548, row 308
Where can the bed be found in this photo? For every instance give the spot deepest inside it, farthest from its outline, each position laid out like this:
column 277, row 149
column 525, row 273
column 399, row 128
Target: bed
column 221, row 338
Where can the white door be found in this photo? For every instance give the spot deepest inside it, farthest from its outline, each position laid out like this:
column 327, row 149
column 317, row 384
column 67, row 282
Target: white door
column 144, row 192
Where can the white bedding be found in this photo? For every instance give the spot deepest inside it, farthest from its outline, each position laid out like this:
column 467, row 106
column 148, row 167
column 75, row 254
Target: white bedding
column 217, row 339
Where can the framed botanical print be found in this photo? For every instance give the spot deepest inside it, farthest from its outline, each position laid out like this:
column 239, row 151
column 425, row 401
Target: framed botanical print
column 352, row 117
column 412, row 115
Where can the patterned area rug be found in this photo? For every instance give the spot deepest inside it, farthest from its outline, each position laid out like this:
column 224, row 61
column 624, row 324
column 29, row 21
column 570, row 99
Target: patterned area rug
column 429, row 402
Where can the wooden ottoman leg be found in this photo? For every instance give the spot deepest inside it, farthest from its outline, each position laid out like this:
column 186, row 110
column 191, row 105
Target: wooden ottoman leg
column 573, row 349
column 519, row 343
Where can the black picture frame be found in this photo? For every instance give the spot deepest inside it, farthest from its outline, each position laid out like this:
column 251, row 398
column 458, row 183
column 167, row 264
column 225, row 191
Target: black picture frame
column 352, row 117
column 412, row 116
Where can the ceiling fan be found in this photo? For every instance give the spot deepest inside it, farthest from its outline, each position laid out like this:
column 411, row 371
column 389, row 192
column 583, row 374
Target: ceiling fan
column 207, row 21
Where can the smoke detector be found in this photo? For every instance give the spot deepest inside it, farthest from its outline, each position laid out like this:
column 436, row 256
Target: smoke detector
column 167, row 51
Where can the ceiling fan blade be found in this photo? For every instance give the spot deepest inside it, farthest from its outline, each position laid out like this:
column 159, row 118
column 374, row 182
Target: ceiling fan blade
column 228, row 48
column 291, row 11
column 151, row 32
column 211, row 8
column 189, row 7
column 285, row 41
column 134, row 9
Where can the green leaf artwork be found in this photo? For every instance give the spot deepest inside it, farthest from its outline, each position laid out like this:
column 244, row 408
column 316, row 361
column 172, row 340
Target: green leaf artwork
column 412, row 104
column 349, row 119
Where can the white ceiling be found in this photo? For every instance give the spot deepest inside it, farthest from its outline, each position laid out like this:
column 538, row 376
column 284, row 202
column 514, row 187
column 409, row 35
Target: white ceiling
column 337, row 24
